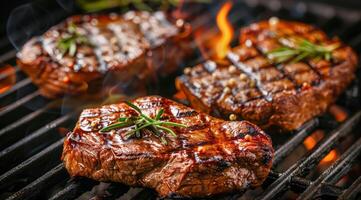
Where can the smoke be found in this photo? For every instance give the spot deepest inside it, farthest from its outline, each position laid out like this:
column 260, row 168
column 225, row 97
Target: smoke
column 27, row 21
column 67, row 5
column 34, row 19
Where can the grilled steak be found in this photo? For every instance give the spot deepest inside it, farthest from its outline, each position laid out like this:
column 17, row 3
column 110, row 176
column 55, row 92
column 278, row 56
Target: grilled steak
column 274, row 95
column 109, row 48
column 209, row 156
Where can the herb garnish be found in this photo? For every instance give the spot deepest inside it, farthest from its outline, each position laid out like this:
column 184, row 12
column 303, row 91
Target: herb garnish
column 302, row 49
column 143, row 122
column 68, row 43
column 97, row 5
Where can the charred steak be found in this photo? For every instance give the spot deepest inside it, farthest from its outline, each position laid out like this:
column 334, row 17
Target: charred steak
column 209, row 156
column 108, row 48
column 262, row 85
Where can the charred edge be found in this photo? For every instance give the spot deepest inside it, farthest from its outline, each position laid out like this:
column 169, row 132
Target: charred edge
column 267, row 155
column 222, row 165
column 186, row 114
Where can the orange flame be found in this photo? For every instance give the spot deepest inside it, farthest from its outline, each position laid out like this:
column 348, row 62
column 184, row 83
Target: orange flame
column 338, row 113
column 330, row 157
column 223, row 44
column 311, row 142
column 7, row 78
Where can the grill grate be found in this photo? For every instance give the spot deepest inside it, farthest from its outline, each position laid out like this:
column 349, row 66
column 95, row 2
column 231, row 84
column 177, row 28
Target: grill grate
column 30, row 143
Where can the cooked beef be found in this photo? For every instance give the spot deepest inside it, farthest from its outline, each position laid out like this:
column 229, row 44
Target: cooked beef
column 116, row 49
column 210, row 156
column 275, row 96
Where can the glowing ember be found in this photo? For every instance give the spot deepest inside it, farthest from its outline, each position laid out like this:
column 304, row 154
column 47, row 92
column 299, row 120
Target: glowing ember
column 7, row 78
column 223, row 44
column 338, row 113
column 311, row 142
column 330, row 157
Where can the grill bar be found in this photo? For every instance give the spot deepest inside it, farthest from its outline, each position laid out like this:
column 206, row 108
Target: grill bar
column 310, row 161
column 23, row 120
column 352, row 191
column 300, row 184
column 7, row 56
column 31, row 140
column 73, row 190
column 293, row 176
column 32, row 161
column 6, row 75
column 19, row 103
column 41, row 183
column 337, row 170
column 16, row 87
column 289, row 146
column 5, row 132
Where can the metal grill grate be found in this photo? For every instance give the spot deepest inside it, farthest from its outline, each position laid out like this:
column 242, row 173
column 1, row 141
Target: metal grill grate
column 30, row 143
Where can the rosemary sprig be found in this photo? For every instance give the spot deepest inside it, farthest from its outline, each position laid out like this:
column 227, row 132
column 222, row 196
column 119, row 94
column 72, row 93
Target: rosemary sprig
column 97, row 5
column 143, row 122
column 302, row 49
column 68, row 43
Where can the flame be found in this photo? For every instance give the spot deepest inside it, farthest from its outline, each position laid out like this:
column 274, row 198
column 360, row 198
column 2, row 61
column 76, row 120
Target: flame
column 7, row 78
column 311, row 142
column 330, row 157
column 214, row 43
column 338, row 113
column 223, row 44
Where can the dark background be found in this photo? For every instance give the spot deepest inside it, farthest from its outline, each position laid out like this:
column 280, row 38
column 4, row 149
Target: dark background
column 51, row 8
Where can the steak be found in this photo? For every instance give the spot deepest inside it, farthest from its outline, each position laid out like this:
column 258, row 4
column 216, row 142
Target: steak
column 210, row 156
column 112, row 48
column 277, row 96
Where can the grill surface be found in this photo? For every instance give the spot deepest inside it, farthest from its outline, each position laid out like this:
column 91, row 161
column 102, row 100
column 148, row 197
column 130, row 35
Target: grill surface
column 32, row 129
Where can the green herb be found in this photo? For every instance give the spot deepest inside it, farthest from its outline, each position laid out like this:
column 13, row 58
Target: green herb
column 68, row 43
column 97, row 5
column 145, row 123
column 302, row 49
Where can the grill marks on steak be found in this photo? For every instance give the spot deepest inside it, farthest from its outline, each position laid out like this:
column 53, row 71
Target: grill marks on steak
column 281, row 96
column 121, row 46
column 210, row 156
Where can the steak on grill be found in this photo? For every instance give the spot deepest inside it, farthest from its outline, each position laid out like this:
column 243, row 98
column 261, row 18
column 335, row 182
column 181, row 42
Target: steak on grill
column 209, row 156
column 275, row 96
column 118, row 48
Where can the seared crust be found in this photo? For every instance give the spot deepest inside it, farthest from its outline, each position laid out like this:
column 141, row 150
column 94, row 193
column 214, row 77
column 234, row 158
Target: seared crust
column 210, row 156
column 281, row 96
column 122, row 48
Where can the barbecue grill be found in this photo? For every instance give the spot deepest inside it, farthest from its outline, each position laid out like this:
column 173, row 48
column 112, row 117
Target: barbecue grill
column 32, row 127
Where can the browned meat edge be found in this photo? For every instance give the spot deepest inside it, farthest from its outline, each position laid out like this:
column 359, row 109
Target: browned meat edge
column 209, row 157
column 276, row 97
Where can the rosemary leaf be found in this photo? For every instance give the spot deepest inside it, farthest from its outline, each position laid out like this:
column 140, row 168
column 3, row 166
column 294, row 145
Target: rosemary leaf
column 159, row 114
column 68, row 43
column 137, row 131
column 97, row 5
column 72, row 49
column 163, row 140
column 303, row 49
column 146, row 124
column 122, row 119
column 115, row 126
column 134, row 107
column 172, row 124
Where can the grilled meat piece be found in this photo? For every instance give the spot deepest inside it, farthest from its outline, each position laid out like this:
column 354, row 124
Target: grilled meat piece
column 275, row 96
column 111, row 48
column 209, row 156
